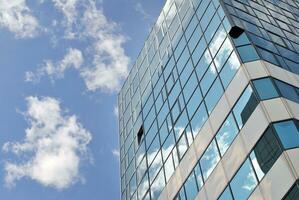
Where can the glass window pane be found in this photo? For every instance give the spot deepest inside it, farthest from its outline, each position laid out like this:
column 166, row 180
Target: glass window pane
column 226, row 194
column 223, row 54
column 265, row 153
column 217, row 41
column 208, row 79
column 288, row 91
column 158, row 185
column 194, row 38
column 198, row 176
column 199, row 119
column 186, row 73
column 203, row 64
column 190, row 86
column 229, row 70
column 241, row 40
column 168, row 145
column 142, row 188
column 243, row 182
column 265, row 88
column 182, row 146
column 245, row 106
column 247, row 53
column 214, row 95
column 169, row 168
column 194, row 101
column 190, row 187
column 293, row 193
column 226, row 134
column 181, row 124
column 288, row 134
column 200, row 48
column 209, row 160
column 155, row 167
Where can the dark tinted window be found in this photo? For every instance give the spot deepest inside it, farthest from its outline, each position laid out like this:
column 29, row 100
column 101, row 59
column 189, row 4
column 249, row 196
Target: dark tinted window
column 288, row 133
column 265, row 88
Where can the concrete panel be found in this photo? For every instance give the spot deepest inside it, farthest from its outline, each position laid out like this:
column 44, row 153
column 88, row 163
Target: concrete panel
column 254, row 128
column 236, row 87
column 201, row 195
column 256, row 194
column 256, row 69
column 203, row 139
column 276, row 109
column 174, row 184
column 277, row 181
column 163, row 195
column 219, row 113
column 293, row 155
column 283, row 74
column 188, row 162
column 293, row 108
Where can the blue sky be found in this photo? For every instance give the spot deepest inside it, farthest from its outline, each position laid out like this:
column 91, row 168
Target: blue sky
column 62, row 64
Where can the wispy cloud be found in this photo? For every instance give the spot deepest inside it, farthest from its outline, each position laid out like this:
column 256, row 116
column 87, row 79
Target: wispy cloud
column 53, row 149
column 115, row 153
column 69, row 10
column 72, row 59
column 139, row 8
column 18, row 18
column 115, row 111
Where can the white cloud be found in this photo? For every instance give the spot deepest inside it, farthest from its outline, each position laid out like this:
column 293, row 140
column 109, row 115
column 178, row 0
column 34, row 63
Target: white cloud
column 53, row 149
column 85, row 21
column 16, row 16
column 115, row 153
column 68, row 8
column 110, row 63
column 139, row 8
column 115, row 111
column 72, row 59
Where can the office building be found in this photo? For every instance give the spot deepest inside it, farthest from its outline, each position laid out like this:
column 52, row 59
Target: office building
column 210, row 108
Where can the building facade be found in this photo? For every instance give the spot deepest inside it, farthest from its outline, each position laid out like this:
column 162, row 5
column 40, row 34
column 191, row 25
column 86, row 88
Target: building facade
column 210, row 108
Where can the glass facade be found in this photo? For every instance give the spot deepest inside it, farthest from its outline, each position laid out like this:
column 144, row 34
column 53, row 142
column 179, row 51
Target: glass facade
column 188, row 60
column 271, row 27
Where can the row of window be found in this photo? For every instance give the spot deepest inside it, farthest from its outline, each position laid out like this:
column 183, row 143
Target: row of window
column 221, row 142
column 265, row 88
column 153, row 139
column 278, row 137
column 268, row 88
column 180, row 62
column 231, row 66
column 274, row 44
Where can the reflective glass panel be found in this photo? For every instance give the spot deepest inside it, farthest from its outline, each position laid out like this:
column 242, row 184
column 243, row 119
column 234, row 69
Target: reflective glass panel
column 198, row 176
column 214, row 95
column 199, row 119
column 265, row 88
column 288, row 133
column 265, row 153
column 190, row 187
column 209, row 160
column 226, row 134
column 247, row 53
column 288, row 91
column 243, row 182
column 226, row 194
column 245, row 106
